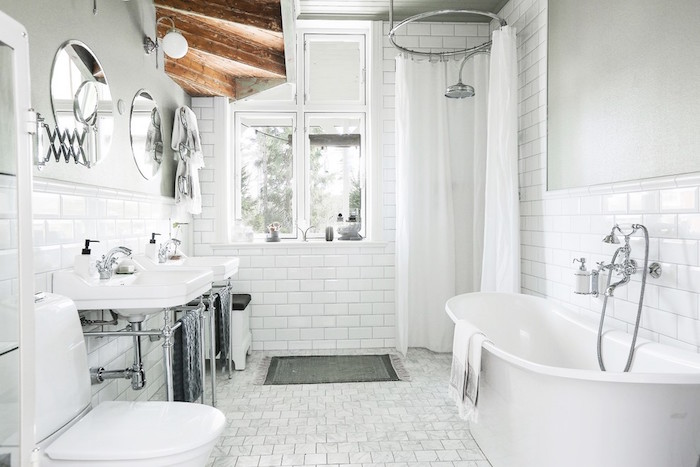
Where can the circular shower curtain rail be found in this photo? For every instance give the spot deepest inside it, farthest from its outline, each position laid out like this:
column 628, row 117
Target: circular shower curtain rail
column 430, row 14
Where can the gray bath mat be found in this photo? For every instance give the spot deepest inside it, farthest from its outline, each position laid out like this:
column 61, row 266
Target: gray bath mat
column 317, row 369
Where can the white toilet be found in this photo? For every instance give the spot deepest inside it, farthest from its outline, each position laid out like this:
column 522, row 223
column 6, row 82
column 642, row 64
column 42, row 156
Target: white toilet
column 132, row 434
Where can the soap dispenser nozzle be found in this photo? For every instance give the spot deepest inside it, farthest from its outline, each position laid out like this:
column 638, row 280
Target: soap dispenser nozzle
column 583, row 263
column 86, row 250
column 153, row 237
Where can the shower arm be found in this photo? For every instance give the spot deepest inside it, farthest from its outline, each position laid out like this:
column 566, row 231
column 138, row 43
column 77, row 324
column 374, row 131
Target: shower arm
column 484, row 50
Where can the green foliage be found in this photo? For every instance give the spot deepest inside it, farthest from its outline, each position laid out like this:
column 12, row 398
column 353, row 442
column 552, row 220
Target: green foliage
column 269, row 199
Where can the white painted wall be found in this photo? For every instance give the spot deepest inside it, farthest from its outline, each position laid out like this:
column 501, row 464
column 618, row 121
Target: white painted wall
column 319, row 294
column 115, row 35
column 110, row 202
column 557, row 227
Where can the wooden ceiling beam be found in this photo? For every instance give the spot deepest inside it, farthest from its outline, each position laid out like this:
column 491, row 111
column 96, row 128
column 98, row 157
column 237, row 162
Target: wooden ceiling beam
column 242, row 32
column 193, row 89
column 220, row 84
column 259, row 14
column 211, row 41
column 230, row 67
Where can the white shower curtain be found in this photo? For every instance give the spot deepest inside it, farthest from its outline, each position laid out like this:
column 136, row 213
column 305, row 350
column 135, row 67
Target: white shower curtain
column 501, row 257
column 441, row 151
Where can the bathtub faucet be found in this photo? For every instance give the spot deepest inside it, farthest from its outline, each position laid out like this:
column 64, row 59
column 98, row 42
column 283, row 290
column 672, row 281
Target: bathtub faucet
column 627, row 267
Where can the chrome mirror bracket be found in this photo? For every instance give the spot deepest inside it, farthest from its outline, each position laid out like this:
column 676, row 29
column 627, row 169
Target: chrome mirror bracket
column 69, row 145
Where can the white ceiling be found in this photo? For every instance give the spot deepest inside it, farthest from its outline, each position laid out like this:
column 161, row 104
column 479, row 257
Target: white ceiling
column 379, row 9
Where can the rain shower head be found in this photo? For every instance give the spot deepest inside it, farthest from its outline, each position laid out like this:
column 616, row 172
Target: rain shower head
column 459, row 91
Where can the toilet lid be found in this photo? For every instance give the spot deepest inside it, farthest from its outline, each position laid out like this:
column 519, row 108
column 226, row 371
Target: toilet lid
column 138, row 430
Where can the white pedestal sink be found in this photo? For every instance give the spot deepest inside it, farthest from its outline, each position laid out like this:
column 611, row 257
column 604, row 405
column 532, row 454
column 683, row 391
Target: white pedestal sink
column 222, row 267
column 136, row 295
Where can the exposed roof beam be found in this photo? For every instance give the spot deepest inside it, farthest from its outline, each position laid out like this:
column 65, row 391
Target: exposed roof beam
column 206, row 39
column 230, row 67
column 193, row 89
column 260, row 14
column 194, row 71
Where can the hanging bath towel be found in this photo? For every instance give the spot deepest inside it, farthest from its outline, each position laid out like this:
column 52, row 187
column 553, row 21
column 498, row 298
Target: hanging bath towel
column 188, row 152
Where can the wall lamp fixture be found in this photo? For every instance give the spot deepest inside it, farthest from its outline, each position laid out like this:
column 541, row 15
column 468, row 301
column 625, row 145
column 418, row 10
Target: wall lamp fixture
column 174, row 43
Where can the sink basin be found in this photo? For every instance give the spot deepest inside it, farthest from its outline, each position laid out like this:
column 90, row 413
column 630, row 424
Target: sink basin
column 134, row 295
column 222, row 267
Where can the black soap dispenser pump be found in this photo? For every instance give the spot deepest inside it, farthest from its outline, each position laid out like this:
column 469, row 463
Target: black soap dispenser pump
column 83, row 262
column 152, row 247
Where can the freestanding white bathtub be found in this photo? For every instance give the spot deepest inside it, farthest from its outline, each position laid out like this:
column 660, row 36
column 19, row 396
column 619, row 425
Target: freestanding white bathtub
column 543, row 402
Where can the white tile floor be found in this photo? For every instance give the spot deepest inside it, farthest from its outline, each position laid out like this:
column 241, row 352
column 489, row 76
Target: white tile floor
column 387, row 424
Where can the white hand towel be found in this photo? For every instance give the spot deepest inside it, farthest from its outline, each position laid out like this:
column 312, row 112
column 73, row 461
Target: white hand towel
column 466, row 366
column 188, row 152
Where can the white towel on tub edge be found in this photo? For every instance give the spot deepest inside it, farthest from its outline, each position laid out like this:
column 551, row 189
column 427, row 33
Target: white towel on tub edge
column 466, row 366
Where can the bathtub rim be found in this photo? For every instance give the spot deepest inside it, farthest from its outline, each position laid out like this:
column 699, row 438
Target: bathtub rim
column 665, row 351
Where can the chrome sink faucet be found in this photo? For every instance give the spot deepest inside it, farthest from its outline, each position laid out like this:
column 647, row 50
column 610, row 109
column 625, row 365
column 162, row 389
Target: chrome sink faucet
column 105, row 266
column 164, row 251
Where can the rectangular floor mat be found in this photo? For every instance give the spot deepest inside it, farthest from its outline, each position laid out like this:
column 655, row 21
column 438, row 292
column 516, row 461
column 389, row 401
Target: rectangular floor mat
column 316, row 369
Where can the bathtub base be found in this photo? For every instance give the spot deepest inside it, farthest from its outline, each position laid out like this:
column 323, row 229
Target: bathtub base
column 528, row 420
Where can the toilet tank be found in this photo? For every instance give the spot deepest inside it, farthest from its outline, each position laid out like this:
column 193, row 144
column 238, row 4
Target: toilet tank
column 62, row 375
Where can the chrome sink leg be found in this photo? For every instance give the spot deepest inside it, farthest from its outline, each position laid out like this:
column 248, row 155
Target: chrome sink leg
column 212, row 347
column 202, row 350
column 167, row 354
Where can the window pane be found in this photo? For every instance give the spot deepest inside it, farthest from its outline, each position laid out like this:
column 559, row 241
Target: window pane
column 266, row 173
column 336, row 171
column 334, row 69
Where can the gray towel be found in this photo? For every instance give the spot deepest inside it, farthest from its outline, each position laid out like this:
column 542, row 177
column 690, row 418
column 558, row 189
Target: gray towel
column 187, row 367
column 222, row 303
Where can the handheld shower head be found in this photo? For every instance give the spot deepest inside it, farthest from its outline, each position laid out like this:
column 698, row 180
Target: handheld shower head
column 611, row 238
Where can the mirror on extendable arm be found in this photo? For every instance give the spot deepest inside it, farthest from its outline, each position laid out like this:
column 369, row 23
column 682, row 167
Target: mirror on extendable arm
column 146, row 135
column 82, row 107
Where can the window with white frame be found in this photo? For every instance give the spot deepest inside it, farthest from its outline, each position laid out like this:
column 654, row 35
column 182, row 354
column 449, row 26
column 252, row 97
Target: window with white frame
column 300, row 152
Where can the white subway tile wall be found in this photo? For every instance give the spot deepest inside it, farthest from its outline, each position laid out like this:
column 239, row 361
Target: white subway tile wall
column 65, row 214
column 318, row 295
column 557, row 227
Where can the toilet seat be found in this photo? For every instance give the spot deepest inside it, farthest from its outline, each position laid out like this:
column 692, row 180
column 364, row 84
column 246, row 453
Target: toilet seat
column 133, row 431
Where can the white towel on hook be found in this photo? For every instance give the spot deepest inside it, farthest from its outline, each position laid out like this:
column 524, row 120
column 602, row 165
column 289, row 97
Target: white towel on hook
column 187, row 145
column 466, row 368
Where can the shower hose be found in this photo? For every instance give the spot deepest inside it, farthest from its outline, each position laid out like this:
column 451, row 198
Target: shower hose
column 630, row 356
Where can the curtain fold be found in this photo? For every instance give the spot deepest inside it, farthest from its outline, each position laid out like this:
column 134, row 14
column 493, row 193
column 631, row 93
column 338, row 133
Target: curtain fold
column 501, row 250
column 440, row 154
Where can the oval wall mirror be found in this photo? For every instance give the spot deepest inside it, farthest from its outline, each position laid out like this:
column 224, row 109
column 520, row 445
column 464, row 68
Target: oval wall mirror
column 81, row 98
column 146, row 136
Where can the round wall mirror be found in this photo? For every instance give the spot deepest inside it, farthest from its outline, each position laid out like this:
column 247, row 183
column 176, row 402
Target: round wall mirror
column 81, row 99
column 146, row 136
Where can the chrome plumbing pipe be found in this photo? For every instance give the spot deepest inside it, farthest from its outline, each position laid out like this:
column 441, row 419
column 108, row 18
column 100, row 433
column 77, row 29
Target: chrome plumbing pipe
column 136, row 373
column 138, row 377
column 153, row 332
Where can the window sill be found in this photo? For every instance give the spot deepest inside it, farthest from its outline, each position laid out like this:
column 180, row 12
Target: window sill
column 292, row 243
